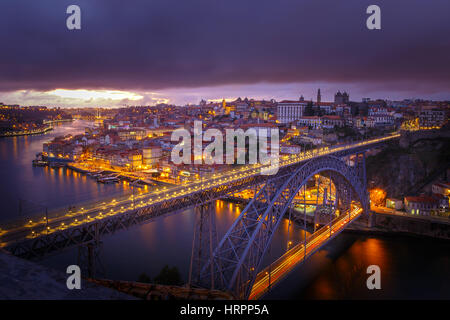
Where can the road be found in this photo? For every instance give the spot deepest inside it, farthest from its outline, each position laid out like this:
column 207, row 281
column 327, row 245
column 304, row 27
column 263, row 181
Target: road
column 385, row 210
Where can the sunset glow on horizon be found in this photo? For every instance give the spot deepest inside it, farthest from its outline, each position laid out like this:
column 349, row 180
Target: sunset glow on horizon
column 95, row 94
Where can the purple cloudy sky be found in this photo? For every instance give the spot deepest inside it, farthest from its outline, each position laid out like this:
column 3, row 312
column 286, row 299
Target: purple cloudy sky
column 181, row 51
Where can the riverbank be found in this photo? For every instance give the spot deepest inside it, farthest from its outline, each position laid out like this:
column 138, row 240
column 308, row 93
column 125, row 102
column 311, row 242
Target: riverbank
column 26, row 133
column 57, row 121
column 111, row 176
column 121, row 175
column 105, row 176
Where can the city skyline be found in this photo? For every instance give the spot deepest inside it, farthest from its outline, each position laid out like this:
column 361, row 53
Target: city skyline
column 77, row 98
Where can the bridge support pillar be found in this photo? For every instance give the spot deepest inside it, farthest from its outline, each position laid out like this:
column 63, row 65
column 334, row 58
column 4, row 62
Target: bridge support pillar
column 89, row 256
column 203, row 244
column 343, row 193
column 361, row 169
column 89, row 259
column 371, row 220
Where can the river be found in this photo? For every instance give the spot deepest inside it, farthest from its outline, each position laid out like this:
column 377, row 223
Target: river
column 411, row 268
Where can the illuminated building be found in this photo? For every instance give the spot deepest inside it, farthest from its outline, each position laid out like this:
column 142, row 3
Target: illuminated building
column 289, row 110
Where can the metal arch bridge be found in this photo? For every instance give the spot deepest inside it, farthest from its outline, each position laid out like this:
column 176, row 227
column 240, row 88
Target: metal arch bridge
column 233, row 265
column 39, row 238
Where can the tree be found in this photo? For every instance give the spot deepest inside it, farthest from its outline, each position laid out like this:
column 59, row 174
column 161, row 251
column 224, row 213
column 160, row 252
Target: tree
column 144, row 278
column 169, row 276
column 319, row 112
column 377, row 197
column 309, row 109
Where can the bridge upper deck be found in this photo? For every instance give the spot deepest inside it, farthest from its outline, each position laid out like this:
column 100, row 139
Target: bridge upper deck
column 69, row 228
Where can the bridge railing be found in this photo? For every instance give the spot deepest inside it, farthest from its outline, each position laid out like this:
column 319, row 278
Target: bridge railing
column 41, row 215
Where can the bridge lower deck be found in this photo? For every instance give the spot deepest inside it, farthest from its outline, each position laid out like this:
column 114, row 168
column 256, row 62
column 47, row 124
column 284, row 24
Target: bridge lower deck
column 274, row 273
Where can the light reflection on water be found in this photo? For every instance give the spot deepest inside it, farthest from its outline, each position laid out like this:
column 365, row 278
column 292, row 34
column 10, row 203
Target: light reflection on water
column 39, row 187
column 411, row 268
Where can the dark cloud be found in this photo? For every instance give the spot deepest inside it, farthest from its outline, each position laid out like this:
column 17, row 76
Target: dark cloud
column 161, row 44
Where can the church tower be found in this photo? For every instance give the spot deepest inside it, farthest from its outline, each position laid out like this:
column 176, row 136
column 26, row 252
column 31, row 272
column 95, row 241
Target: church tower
column 319, row 97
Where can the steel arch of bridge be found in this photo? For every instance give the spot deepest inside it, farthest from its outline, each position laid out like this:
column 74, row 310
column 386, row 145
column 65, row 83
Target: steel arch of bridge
column 238, row 257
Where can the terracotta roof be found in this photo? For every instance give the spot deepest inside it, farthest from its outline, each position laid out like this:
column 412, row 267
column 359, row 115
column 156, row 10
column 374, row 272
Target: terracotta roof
column 294, row 101
column 442, row 185
column 332, row 117
column 310, row 117
column 259, row 125
column 420, row 199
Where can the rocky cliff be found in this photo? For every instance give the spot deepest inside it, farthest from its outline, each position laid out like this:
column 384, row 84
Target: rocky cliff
column 406, row 166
